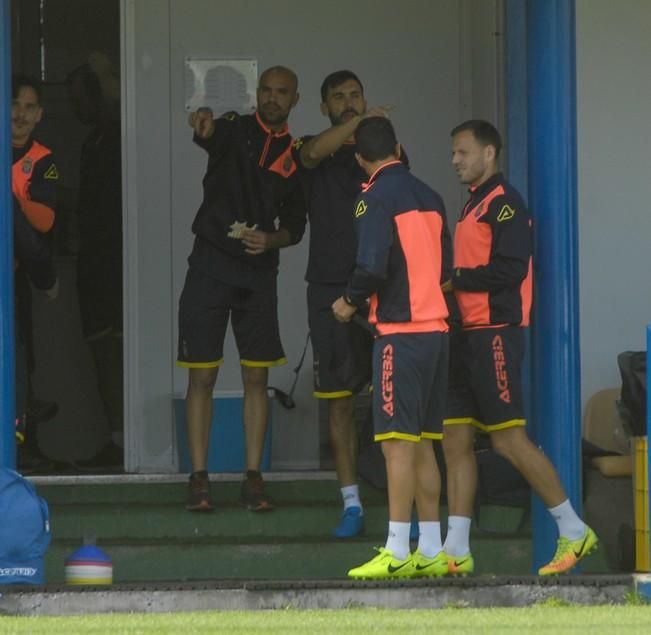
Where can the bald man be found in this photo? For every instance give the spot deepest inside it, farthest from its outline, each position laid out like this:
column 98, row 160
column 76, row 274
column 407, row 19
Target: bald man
column 253, row 206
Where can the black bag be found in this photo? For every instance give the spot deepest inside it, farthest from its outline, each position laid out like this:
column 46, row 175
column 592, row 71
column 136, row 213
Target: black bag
column 632, row 406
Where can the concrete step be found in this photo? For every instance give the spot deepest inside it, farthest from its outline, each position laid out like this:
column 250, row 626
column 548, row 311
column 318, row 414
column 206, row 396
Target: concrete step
column 235, row 524
column 204, row 560
column 224, row 488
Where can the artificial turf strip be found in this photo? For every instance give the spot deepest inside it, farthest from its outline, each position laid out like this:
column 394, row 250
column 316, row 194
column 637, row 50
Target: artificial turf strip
column 609, row 620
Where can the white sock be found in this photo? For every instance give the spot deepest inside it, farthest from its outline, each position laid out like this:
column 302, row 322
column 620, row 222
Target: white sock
column 569, row 524
column 350, row 496
column 429, row 538
column 398, row 539
column 457, row 541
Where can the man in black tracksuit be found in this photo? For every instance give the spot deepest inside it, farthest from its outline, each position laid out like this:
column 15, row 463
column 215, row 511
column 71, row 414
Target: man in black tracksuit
column 335, row 179
column 34, row 179
column 251, row 184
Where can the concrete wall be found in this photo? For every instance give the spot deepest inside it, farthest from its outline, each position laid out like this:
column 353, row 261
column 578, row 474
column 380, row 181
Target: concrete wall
column 614, row 159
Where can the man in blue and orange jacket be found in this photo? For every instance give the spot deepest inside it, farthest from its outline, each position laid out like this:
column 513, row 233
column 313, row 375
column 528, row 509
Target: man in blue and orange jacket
column 403, row 245
column 492, row 283
column 34, row 179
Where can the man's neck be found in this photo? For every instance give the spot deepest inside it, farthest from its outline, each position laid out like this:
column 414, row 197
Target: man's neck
column 19, row 142
column 485, row 177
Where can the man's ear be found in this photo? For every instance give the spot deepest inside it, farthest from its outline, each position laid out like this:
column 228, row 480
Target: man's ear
column 297, row 96
column 398, row 151
column 324, row 109
column 39, row 114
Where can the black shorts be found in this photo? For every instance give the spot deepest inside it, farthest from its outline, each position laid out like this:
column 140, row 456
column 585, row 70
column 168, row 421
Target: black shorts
column 204, row 309
column 322, row 325
column 410, row 373
column 485, row 383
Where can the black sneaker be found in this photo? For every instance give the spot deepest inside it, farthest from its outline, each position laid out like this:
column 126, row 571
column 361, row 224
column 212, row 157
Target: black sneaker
column 253, row 496
column 199, row 493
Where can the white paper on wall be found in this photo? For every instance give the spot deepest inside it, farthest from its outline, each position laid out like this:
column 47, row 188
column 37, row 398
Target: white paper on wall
column 221, row 84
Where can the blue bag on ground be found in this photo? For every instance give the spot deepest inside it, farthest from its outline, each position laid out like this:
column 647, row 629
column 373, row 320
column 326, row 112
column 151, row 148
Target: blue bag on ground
column 24, row 531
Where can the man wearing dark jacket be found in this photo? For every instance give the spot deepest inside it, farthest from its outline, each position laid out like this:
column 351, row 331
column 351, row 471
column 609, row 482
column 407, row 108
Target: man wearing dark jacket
column 253, row 206
column 403, row 241
column 92, row 88
column 335, row 179
column 492, row 282
column 34, row 178
column 33, row 259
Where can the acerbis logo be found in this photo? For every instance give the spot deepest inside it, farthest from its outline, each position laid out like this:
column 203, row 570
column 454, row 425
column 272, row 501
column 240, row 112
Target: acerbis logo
column 387, row 379
column 506, row 213
column 501, row 376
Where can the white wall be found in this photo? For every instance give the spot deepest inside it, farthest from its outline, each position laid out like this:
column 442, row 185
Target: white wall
column 409, row 55
column 614, row 173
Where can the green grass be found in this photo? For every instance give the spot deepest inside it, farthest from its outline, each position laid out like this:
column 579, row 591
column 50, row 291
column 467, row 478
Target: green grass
column 609, row 620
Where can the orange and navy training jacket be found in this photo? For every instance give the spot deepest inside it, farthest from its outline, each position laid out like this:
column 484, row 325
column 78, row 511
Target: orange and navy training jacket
column 251, row 179
column 34, row 177
column 492, row 275
column 403, row 253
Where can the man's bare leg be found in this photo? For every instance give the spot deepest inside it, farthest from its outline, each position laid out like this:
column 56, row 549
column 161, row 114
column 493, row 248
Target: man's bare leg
column 343, row 441
column 255, row 414
column 461, row 467
column 198, row 413
column 514, row 444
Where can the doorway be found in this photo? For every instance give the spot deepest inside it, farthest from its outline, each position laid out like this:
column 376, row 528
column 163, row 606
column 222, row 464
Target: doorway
column 75, row 404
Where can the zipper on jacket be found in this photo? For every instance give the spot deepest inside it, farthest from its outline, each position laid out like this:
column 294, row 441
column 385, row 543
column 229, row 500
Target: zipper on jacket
column 265, row 150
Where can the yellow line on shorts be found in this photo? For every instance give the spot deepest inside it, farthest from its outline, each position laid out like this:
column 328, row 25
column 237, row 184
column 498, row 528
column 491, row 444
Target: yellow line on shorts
column 219, row 362
column 437, row 436
column 332, row 395
column 402, row 436
column 253, row 364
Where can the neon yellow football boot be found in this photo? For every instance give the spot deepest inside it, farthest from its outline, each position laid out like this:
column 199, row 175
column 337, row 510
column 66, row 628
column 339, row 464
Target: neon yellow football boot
column 383, row 566
column 425, row 567
column 461, row 565
column 569, row 552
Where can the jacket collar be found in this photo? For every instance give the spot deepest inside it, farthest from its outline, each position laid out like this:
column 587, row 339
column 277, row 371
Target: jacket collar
column 377, row 173
column 281, row 133
column 487, row 185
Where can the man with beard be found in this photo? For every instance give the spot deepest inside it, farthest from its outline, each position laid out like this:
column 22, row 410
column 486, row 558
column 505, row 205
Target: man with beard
column 335, row 179
column 34, row 179
column 251, row 181
column 492, row 282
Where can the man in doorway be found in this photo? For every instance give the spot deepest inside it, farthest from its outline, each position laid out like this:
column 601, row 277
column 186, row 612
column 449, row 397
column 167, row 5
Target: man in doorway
column 34, row 179
column 335, row 179
column 251, row 181
column 492, row 282
column 403, row 240
column 94, row 92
